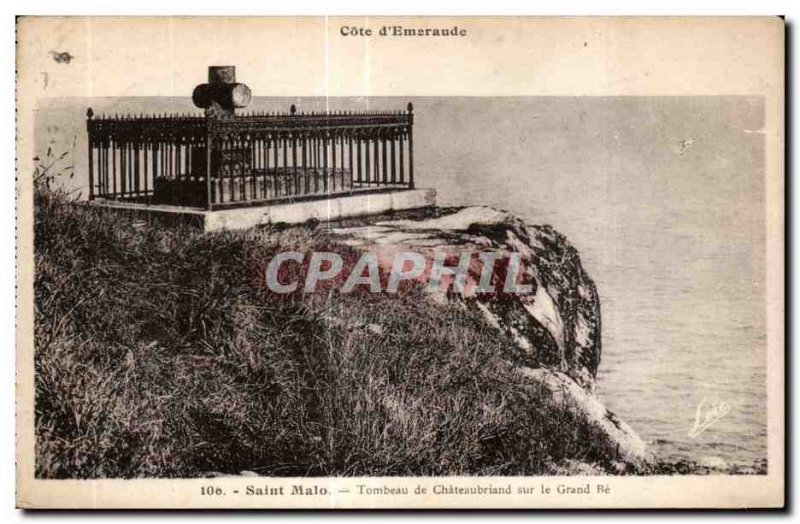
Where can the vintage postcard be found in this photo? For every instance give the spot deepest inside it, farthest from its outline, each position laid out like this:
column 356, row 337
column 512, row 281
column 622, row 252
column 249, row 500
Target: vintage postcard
column 410, row 262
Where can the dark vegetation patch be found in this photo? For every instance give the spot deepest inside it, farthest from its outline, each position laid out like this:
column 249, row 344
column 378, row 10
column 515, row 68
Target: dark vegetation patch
column 158, row 354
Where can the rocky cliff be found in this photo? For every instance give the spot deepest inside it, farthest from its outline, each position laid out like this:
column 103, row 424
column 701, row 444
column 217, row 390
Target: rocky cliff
column 555, row 327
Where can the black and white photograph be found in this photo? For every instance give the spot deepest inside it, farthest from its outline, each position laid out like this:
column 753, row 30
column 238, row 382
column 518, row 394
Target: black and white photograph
column 290, row 297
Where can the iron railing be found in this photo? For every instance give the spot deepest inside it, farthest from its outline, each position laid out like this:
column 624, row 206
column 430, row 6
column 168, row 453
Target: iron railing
column 248, row 159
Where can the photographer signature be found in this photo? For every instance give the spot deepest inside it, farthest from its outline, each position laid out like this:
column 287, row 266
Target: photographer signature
column 706, row 415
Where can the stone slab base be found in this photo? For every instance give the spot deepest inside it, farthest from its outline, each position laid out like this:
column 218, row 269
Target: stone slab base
column 288, row 213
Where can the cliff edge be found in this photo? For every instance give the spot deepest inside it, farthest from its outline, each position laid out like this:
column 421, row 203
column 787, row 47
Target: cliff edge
column 161, row 353
column 556, row 326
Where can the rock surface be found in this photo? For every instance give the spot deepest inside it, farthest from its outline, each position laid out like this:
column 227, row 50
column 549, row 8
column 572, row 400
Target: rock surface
column 555, row 327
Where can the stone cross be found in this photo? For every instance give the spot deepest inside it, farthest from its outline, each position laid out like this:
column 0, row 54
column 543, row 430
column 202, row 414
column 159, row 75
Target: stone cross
column 221, row 95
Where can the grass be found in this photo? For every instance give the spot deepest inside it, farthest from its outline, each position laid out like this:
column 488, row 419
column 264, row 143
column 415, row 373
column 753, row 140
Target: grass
column 158, row 353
